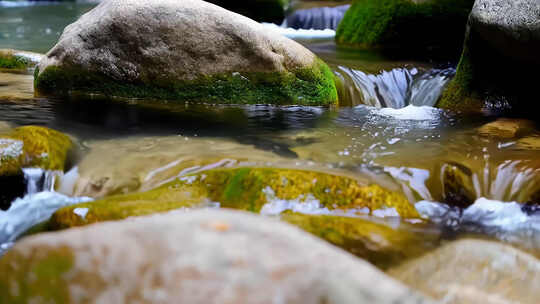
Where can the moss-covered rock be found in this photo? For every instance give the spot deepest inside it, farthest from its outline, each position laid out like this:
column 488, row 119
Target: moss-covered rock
column 377, row 243
column 200, row 53
column 405, row 26
column 260, row 10
column 499, row 59
column 38, row 273
column 33, row 146
column 242, row 188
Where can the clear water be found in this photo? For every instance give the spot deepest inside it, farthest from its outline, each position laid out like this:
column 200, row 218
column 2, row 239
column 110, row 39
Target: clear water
column 388, row 133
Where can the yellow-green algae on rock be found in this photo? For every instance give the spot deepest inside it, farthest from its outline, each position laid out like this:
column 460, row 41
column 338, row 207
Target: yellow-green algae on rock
column 240, row 188
column 33, row 146
column 37, row 276
column 378, row 243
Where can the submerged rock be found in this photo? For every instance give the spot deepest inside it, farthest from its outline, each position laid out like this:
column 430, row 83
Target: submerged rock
column 121, row 166
column 474, row 271
column 182, row 50
column 249, row 189
column 260, row 10
column 378, row 243
column 408, row 27
column 157, row 260
column 500, row 57
column 507, row 128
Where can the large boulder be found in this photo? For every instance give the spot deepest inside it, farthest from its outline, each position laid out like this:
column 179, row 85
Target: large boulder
column 500, row 57
column 475, row 271
column 194, row 257
column 181, row 50
column 406, row 27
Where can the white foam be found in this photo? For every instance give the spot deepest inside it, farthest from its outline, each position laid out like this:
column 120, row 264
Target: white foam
column 504, row 220
column 491, row 213
column 81, row 212
column 412, row 112
column 301, row 33
column 31, row 210
column 308, row 204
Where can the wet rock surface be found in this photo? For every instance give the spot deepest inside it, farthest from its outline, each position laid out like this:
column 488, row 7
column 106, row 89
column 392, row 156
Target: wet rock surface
column 502, row 31
column 474, row 271
column 252, row 189
column 233, row 255
column 33, row 146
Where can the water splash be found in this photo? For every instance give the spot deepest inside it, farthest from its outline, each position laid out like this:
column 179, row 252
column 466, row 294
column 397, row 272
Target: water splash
column 301, row 34
column 507, row 221
column 29, row 211
column 397, row 88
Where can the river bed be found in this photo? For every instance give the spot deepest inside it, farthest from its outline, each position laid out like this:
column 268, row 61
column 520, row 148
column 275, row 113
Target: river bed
column 387, row 132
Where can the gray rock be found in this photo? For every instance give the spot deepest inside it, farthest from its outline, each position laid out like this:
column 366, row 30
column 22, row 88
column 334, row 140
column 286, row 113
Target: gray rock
column 475, row 271
column 499, row 65
column 184, row 50
column 509, row 26
column 209, row 256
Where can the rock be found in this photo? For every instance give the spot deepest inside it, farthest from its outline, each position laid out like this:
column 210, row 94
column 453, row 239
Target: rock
column 27, row 147
column 529, row 143
column 266, row 190
column 501, row 47
column 506, row 128
column 260, row 10
column 33, row 146
column 127, row 165
column 378, row 243
column 158, row 260
column 185, row 51
column 474, row 271
column 318, row 18
column 406, row 27
column 458, row 185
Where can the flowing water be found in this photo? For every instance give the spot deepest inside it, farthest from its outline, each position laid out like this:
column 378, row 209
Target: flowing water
column 387, row 132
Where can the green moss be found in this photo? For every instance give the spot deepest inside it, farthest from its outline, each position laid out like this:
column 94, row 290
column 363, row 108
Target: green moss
column 38, row 276
column 308, row 86
column 435, row 26
column 41, row 147
column 11, row 62
column 485, row 75
column 377, row 243
column 240, row 189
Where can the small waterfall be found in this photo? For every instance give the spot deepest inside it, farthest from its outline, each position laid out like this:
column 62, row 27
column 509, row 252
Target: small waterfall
column 396, row 89
column 319, row 18
column 38, row 180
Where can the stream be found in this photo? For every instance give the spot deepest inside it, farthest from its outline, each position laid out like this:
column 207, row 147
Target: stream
column 387, row 132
